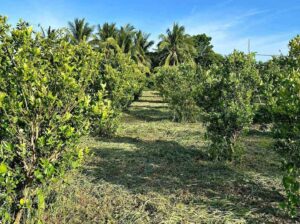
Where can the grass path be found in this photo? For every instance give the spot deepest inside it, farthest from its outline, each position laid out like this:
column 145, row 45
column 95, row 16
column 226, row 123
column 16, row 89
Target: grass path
column 156, row 171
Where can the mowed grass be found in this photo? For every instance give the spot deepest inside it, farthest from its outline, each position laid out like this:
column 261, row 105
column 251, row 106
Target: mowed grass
column 157, row 171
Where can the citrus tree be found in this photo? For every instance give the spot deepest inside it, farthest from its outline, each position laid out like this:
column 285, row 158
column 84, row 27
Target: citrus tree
column 226, row 94
column 177, row 85
column 44, row 110
column 283, row 93
column 123, row 77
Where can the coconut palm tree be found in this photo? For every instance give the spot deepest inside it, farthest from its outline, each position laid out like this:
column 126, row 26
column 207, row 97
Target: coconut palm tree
column 80, row 30
column 140, row 49
column 49, row 33
column 126, row 38
column 176, row 46
column 106, row 31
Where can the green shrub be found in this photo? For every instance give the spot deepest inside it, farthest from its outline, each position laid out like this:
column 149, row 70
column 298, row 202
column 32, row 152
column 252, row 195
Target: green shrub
column 270, row 73
column 287, row 134
column 44, row 110
column 124, row 78
column 104, row 118
column 121, row 80
column 177, row 84
column 283, row 94
column 226, row 94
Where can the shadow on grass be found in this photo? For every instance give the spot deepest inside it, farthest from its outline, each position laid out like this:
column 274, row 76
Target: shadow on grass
column 149, row 114
column 150, row 101
column 184, row 174
column 262, row 133
column 169, row 168
column 158, row 107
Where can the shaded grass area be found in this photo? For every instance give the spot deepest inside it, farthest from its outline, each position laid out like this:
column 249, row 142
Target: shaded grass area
column 156, row 171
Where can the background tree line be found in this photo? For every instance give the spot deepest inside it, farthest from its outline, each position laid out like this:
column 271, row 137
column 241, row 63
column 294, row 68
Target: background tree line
column 173, row 48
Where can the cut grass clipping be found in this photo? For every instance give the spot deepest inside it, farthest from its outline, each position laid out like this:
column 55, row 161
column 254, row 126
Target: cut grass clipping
column 156, row 171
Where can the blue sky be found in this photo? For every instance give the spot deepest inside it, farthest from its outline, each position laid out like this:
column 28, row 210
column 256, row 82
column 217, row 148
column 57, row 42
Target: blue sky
column 269, row 24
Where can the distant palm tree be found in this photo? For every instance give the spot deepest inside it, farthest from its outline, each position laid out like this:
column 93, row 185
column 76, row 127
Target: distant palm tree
column 49, row 33
column 175, row 47
column 126, row 37
column 104, row 33
column 80, row 30
column 107, row 31
column 140, row 49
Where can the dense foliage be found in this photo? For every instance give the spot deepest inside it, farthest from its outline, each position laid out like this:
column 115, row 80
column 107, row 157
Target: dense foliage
column 283, row 94
column 204, row 54
column 53, row 91
column 123, row 78
column 177, row 86
column 44, row 110
column 226, row 94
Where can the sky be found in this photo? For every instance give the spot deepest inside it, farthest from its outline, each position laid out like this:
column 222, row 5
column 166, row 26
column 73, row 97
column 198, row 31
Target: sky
column 268, row 24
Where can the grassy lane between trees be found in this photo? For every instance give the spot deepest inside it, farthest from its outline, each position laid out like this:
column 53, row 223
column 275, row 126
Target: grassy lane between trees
column 155, row 171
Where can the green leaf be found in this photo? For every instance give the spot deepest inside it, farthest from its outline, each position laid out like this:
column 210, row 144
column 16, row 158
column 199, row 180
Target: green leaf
column 41, row 201
column 38, row 175
column 22, row 201
column 3, row 168
column 2, row 96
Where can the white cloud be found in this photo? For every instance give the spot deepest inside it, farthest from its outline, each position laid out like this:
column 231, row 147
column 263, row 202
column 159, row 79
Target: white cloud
column 233, row 30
